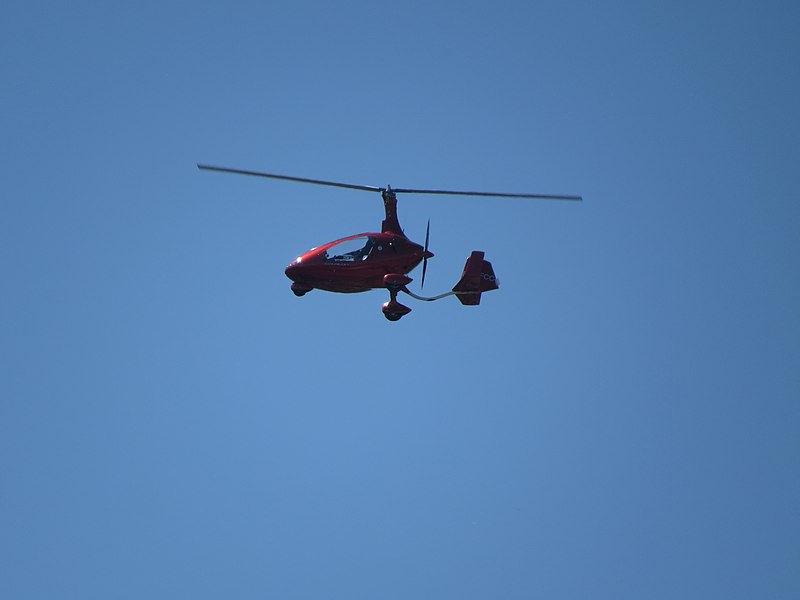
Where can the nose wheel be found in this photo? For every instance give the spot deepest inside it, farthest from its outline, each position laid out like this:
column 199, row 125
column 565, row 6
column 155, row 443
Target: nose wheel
column 300, row 290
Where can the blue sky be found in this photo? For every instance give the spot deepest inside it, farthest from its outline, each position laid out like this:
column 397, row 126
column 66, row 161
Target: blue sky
column 619, row 420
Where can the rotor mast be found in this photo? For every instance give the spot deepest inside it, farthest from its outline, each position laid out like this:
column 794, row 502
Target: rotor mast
column 390, row 223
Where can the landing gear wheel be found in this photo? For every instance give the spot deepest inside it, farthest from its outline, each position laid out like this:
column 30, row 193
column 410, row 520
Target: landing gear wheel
column 393, row 310
column 300, row 289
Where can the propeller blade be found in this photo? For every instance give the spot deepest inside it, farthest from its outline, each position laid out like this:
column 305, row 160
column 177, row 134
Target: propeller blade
column 351, row 186
column 425, row 254
column 490, row 194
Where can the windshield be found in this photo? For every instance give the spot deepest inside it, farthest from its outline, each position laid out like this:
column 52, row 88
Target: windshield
column 354, row 250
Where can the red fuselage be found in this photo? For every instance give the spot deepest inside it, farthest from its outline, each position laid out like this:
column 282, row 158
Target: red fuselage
column 355, row 264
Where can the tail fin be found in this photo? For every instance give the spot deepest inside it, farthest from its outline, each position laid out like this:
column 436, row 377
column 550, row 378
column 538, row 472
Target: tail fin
column 478, row 277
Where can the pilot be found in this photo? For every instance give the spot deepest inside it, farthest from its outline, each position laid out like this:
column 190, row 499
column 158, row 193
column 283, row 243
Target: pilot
column 364, row 252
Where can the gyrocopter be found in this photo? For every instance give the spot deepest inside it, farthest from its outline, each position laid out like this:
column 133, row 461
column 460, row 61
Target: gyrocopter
column 368, row 261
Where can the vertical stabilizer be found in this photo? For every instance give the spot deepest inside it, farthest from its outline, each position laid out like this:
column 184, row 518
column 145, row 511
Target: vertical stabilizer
column 478, row 277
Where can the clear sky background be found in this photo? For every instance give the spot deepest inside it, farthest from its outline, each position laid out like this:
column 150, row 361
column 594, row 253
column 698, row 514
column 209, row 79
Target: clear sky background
column 619, row 420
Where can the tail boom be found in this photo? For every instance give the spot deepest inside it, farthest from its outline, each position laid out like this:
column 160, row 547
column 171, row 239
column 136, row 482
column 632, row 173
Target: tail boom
column 478, row 277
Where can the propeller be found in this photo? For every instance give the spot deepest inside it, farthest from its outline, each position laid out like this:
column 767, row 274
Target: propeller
column 425, row 254
column 372, row 188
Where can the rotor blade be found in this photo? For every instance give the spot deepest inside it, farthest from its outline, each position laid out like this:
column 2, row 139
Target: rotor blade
column 352, row 186
column 494, row 194
column 372, row 188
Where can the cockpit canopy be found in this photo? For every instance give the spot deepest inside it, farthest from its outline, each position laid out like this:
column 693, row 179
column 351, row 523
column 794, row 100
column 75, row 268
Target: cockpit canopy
column 350, row 250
